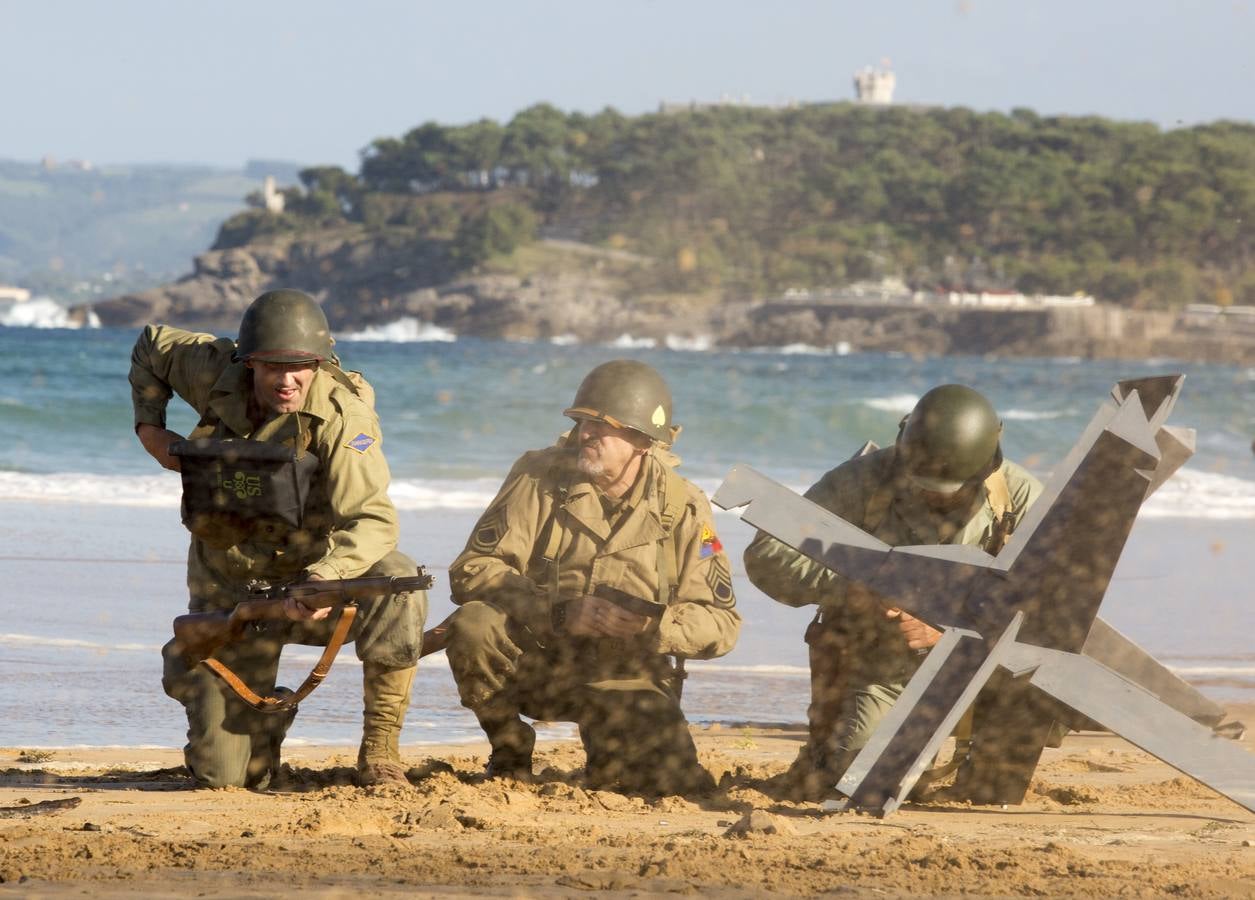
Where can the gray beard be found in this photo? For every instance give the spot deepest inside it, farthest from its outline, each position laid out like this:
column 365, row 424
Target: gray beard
column 591, row 468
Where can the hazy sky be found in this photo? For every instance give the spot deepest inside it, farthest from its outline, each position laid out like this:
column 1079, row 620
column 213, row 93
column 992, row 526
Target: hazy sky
column 314, row 80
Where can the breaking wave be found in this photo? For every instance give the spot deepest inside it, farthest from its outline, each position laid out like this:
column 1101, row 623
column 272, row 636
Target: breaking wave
column 898, row 403
column 841, row 348
column 698, row 343
column 403, row 331
column 1032, row 415
column 627, row 342
column 43, row 313
column 1190, row 494
column 163, row 490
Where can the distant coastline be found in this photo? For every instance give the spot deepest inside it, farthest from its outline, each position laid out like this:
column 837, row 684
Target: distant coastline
column 377, row 291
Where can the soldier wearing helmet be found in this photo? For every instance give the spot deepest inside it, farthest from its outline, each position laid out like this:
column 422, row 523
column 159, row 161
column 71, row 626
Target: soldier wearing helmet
column 944, row 481
column 595, row 564
column 282, row 384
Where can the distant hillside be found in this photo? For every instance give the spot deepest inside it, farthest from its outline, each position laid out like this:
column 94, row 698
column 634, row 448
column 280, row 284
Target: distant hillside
column 746, row 202
column 64, row 224
column 689, row 226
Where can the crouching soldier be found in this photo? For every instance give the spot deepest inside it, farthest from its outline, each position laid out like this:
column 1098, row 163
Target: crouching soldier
column 280, row 387
column 943, row 482
column 593, row 566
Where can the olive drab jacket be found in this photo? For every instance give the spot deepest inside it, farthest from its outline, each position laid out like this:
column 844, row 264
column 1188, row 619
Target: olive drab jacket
column 866, row 492
column 548, row 537
column 349, row 522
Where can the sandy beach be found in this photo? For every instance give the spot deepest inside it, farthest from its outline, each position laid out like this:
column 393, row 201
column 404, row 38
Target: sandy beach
column 1102, row 819
column 92, row 557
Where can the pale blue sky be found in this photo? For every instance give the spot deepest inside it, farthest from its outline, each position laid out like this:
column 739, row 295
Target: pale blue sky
column 314, row 80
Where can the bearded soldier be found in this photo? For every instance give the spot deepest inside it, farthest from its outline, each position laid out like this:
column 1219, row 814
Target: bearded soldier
column 595, row 563
column 943, row 482
column 280, row 386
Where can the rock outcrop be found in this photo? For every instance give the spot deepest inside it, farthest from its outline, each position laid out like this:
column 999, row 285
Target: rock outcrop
column 366, row 278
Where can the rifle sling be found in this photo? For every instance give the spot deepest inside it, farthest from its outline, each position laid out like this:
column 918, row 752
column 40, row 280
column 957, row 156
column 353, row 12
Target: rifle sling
column 275, row 704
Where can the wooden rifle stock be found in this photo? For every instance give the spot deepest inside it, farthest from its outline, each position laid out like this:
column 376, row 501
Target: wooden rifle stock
column 200, row 635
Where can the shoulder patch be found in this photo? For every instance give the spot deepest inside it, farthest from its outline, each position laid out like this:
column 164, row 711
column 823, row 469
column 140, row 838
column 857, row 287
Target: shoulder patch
column 489, row 531
column 719, row 578
column 710, row 542
column 361, row 443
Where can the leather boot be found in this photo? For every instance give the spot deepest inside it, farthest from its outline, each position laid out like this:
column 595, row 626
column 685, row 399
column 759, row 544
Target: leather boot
column 512, row 741
column 386, row 697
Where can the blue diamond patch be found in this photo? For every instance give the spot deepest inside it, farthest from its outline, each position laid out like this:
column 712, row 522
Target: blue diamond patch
column 361, row 443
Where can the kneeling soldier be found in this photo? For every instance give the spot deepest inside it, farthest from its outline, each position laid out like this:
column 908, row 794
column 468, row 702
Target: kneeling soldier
column 281, row 386
column 595, row 563
column 943, row 482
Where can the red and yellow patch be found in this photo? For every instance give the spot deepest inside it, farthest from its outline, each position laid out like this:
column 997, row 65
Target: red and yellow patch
column 710, row 542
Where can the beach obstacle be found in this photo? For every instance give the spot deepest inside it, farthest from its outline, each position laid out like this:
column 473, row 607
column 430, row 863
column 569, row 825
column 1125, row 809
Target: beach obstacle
column 1024, row 623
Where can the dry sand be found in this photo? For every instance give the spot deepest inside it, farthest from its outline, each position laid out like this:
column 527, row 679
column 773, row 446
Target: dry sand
column 1102, row 819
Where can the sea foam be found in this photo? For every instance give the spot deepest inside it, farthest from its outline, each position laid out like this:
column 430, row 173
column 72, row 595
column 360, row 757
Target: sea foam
column 402, row 331
column 42, row 312
column 1189, row 494
column 898, row 403
column 698, row 343
column 627, row 342
column 1032, row 415
column 163, row 490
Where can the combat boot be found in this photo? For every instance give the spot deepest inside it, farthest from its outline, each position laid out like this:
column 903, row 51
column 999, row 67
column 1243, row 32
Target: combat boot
column 512, row 741
column 386, row 697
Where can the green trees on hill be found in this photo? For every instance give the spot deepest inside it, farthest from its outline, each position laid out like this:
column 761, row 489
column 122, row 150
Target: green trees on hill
column 749, row 201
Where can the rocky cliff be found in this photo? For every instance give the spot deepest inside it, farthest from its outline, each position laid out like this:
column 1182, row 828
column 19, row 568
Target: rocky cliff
column 367, row 278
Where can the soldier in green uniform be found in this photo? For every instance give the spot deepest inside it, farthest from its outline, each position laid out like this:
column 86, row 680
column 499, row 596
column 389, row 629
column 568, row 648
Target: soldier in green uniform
column 281, row 384
column 943, row 482
column 595, row 563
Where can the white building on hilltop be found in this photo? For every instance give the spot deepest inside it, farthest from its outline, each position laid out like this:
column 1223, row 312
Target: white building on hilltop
column 270, row 196
column 875, row 86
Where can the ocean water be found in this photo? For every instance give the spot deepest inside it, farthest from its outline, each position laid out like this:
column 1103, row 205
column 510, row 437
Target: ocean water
column 91, row 550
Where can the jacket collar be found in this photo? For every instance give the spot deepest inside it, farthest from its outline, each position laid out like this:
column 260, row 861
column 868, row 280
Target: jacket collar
column 640, row 520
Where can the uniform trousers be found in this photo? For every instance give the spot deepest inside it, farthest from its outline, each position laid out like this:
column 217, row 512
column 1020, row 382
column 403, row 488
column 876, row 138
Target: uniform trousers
column 621, row 696
column 231, row 744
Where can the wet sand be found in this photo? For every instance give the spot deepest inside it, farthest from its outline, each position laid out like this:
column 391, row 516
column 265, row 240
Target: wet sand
column 1102, row 819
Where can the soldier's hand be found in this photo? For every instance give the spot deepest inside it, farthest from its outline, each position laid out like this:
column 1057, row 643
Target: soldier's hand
column 919, row 635
column 592, row 616
column 481, row 654
column 299, row 612
column 157, row 442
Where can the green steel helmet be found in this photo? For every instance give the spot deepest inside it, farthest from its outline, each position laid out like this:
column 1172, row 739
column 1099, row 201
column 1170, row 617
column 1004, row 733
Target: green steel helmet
column 284, row 326
column 951, row 438
column 627, row 394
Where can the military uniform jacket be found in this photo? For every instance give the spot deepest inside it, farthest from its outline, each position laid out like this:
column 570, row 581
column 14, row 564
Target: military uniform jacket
column 349, row 523
column 504, row 562
column 850, row 490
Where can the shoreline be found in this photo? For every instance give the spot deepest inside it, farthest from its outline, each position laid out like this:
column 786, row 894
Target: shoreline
column 1101, row 819
column 1177, row 591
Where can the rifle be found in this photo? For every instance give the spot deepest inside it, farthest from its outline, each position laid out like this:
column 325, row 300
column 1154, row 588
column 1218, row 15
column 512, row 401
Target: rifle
column 197, row 636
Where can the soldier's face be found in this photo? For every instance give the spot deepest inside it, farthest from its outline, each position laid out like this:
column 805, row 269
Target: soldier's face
column 281, row 387
column 944, row 503
column 607, row 451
